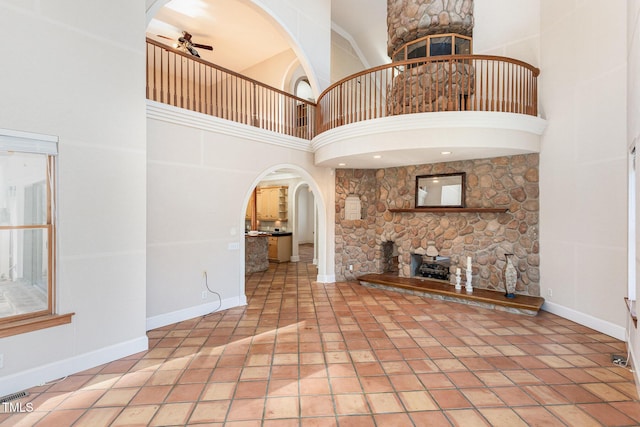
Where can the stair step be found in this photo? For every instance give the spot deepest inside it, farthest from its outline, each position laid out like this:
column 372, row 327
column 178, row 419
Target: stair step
column 521, row 304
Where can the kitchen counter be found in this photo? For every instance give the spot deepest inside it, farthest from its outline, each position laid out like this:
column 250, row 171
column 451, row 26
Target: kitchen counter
column 279, row 233
column 279, row 246
column 256, row 253
column 272, row 233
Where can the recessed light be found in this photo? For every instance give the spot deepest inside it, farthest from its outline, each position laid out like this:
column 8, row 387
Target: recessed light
column 445, row 153
column 342, row 164
column 377, row 156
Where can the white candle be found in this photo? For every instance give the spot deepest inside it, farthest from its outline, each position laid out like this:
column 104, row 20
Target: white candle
column 458, row 271
column 468, row 263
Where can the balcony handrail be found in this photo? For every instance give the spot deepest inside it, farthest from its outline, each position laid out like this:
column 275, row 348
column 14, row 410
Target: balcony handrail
column 457, row 83
column 183, row 80
column 441, row 83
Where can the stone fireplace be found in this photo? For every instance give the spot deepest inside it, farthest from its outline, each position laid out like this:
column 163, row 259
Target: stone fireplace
column 509, row 182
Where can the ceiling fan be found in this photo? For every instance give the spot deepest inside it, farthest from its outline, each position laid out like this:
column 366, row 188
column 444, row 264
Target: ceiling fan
column 185, row 44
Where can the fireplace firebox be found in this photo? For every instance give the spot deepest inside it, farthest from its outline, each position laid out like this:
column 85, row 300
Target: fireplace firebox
column 433, row 267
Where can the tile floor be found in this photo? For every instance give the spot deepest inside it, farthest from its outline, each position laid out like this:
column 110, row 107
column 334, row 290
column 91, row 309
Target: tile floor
column 309, row 354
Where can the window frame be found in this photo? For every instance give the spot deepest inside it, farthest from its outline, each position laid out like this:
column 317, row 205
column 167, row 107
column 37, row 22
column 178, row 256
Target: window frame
column 30, row 143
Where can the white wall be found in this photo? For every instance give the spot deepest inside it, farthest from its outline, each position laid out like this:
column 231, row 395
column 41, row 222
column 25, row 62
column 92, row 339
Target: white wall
column 507, row 28
column 201, row 172
column 76, row 70
column 306, row 215
column 271, row 71
column 583, row 162
column 344, row 60
column 308, row 23
column 633, row 139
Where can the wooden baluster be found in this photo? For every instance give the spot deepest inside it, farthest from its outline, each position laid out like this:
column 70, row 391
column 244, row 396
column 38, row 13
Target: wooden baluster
column 481, row 80
column 535, row 97
column 181, row 84
column 449, row 87
column 199, row 97
column 513, row 88
column 190, row 84
column 504, row 85
column 154, row 74
column 495, row 85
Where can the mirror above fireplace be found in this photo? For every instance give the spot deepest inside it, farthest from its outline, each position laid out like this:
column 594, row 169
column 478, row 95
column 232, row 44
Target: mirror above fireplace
column 440, row 191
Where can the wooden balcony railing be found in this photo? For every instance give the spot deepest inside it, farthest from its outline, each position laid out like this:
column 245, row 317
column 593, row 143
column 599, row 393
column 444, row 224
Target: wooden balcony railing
column 443, row 83
column 185, row 81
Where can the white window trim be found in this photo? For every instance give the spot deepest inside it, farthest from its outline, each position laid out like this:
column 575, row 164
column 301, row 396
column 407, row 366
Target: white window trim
column 26, row 142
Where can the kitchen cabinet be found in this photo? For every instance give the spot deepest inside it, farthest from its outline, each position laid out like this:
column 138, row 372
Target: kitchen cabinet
column 280, row 248
column 250, row 207
column 272, row 203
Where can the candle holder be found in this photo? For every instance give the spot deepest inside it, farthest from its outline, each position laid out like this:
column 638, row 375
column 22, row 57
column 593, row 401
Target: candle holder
column 458, row 280
column 469, row 287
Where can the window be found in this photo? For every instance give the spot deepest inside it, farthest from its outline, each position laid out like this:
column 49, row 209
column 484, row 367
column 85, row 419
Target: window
column 303, row 89
column 27, row 232
column 434, row 45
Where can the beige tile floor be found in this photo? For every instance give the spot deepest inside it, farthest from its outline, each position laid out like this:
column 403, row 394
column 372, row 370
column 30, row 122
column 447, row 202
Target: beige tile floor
column 309, row 354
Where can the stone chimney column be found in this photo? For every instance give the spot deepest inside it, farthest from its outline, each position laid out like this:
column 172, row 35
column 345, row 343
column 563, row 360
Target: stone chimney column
column 408, row 20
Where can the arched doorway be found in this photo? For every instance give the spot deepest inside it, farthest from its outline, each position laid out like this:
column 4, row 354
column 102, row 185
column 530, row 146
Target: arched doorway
column 307, row 219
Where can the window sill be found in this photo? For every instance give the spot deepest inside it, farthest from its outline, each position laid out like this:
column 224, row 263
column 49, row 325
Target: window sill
column 34, row 324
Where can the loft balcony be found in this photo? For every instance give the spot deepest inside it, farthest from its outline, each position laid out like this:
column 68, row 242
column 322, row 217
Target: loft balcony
column 439, row 108
column 185, row 81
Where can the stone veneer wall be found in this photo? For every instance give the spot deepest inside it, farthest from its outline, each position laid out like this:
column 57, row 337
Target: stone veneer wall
column 432, row 87
column 356, row 239
column 408, row 20
column 510, row 182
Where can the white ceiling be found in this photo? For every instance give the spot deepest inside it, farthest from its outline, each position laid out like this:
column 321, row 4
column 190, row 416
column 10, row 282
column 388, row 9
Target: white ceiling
column 365, row 23
column 243, row 36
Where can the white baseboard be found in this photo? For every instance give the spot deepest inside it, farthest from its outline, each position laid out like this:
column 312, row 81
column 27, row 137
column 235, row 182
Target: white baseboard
column 42, row 374
column 191, row 312
column 635, row 366
column 295, row 258
column 587, row 320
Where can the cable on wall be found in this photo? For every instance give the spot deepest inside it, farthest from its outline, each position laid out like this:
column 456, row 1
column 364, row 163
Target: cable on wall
column 206, row 283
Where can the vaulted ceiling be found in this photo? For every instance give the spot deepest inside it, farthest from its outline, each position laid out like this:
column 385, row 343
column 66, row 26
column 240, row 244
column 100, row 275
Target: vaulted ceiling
column 242, row 35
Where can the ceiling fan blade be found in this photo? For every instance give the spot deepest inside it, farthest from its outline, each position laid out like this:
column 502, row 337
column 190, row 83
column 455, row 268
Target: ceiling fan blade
column 203, row 46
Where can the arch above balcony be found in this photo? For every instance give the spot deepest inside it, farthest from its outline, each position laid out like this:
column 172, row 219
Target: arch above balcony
column 423, row 137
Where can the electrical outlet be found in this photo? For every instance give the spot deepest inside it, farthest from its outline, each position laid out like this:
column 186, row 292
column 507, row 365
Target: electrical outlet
column 617, row 359
column 204, row 295
column 549, row 292
column 350, row 267
column 1, row 361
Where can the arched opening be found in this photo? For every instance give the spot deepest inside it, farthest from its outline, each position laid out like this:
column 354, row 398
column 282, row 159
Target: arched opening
column 302, row 230
column 250, row 24
column 304, row 238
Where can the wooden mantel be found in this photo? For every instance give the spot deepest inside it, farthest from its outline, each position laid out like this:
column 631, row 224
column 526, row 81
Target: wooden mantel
column 450, row 210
